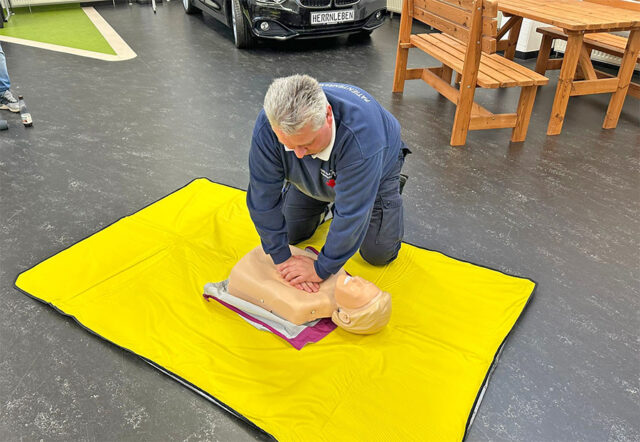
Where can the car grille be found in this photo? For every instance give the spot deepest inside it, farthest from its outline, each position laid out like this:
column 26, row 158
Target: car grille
column 345, row 2
column 315, row 3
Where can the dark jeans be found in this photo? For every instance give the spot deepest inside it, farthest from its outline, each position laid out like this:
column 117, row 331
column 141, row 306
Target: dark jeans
column 382, row 241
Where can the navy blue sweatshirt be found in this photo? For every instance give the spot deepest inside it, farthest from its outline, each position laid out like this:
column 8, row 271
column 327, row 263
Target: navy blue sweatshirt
column 367, row 146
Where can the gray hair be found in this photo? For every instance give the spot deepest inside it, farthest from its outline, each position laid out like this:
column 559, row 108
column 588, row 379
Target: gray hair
column 293, row 102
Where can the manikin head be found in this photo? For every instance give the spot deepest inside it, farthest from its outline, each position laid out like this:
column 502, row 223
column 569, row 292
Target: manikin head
column 362, row 307
column 299, row 114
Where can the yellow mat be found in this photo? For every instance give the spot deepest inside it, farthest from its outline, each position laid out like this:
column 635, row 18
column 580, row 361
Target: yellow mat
column 138, row 283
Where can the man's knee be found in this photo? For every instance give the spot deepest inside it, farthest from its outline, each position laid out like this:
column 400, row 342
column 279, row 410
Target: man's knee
column 302, row 214
column 298, row 236
column 379, row 255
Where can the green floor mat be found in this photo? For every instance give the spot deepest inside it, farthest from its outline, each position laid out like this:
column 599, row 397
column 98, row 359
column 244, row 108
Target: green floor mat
column 63, row 25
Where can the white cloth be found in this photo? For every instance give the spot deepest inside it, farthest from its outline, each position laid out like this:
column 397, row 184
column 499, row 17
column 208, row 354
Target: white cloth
column 289, row 329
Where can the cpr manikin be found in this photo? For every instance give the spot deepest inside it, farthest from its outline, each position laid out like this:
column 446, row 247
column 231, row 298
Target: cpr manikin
column 353, row 303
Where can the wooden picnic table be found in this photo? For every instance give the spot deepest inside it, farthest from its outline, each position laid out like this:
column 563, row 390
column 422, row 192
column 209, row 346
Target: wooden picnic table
column 577, row 18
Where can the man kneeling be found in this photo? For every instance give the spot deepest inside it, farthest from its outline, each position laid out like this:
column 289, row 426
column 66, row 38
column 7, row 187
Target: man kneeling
column 316, row 144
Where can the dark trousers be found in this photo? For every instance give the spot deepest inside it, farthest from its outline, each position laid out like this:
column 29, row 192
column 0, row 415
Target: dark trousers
column 382, row 241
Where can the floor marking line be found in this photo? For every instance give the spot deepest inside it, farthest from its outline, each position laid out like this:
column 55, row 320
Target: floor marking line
column 122, row 49
column 113, row 38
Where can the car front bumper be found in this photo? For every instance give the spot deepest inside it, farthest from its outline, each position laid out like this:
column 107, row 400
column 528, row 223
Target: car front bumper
column 290, row 19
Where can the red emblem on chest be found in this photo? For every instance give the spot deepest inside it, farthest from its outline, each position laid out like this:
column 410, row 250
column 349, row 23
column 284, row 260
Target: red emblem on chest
column 331, row 182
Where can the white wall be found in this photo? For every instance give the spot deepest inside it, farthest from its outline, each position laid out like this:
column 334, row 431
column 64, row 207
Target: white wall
column 529, row 40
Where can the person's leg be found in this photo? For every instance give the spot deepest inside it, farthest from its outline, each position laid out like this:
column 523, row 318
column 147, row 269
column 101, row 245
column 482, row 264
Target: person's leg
column 5, row 84
column 7, row 100
column 384, row 236
column 302, row 213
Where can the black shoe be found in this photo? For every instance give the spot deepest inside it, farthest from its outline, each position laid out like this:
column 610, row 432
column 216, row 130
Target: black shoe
column 403, row 181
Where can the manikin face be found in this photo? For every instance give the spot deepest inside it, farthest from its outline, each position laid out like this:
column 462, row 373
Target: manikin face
column 362, row 307
column 308, row 141
column 353, row 292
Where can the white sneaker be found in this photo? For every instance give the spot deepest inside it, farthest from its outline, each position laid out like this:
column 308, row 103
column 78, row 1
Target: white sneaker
column 8, row 101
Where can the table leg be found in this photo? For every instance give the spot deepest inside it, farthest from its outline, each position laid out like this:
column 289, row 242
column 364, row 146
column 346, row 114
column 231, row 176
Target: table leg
column 543, row 54
column 514, row 33
column 563, row 91
column 624, row 78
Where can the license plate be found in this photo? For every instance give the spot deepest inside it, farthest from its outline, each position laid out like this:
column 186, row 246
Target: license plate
column 332, row 17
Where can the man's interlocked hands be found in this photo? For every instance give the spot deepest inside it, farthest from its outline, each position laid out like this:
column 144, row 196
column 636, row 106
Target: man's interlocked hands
column 299, row 272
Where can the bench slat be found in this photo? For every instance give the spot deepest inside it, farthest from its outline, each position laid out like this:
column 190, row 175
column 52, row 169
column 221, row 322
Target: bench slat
column 610, row 39
column 441, row 23
column 450, row 58
column 487, row 66
column 506, row 72
column 539, row 80
column 442, row 9
column 463, row 4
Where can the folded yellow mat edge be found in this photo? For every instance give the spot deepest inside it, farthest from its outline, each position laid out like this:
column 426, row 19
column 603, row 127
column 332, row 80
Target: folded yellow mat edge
column 203, row 393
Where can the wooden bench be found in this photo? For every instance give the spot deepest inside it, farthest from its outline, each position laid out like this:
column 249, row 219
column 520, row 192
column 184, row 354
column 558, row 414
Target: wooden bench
column 467, row 45
column 602, row 41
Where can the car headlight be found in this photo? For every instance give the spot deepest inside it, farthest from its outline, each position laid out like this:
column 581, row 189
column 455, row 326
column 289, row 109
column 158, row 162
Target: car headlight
column 270, row 2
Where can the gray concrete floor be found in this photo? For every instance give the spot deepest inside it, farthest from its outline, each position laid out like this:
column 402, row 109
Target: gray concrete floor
column 110, row 138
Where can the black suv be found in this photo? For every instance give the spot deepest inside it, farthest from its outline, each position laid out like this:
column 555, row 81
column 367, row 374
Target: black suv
column 285, row 19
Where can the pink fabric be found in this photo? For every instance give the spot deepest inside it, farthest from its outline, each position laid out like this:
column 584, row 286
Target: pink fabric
column 311, row 334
